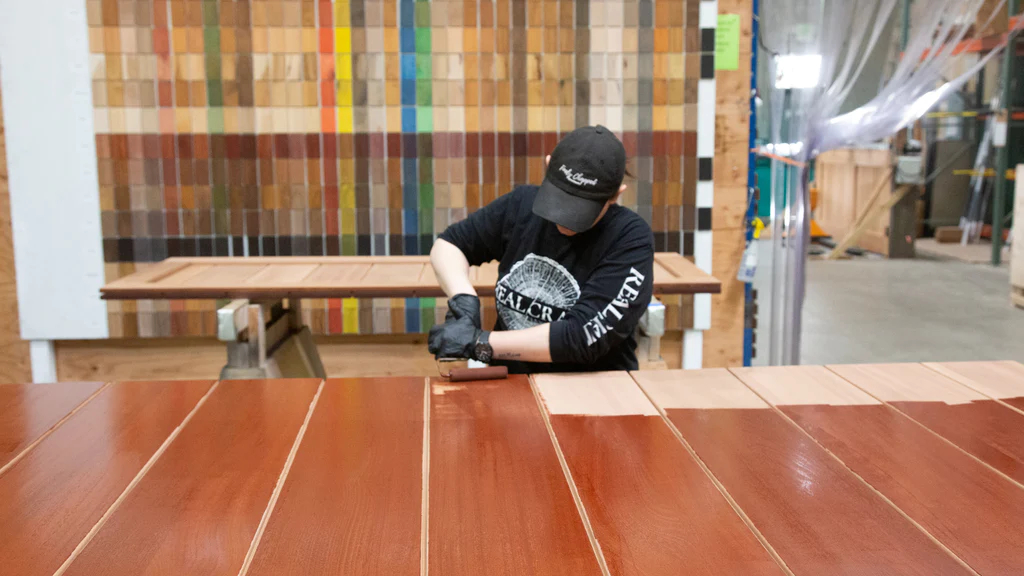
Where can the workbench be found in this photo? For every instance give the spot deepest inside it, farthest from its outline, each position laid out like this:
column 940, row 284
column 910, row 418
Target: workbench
column 810, row 470
column 262, row 325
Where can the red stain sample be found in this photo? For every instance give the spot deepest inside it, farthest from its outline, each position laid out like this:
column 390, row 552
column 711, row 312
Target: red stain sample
column 51, row 498
column 814, row 513
column 499, row 501
column 353, row 498
column 196, row 510
column 653, row 509
column 27, row 411
column 976, row 513
column 985, row 428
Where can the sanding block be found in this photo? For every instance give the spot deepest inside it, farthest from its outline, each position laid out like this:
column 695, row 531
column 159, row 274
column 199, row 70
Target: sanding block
column 471, row 374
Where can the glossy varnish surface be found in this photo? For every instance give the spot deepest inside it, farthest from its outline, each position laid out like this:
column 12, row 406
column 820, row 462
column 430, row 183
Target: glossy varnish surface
column 499, row 501
column 27, row 411
column 979, row 425
column 353, row 497
column 52, row 497
column 653, row 509
column 196, row 510
column 975, row 512
column 984, row 428
column 750, row 471
column 818, row 517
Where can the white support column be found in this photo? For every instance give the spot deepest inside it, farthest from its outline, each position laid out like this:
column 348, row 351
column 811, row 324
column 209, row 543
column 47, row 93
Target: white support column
column 44, row 361
column 703, row 241
column 693, row 349
column 51, row 160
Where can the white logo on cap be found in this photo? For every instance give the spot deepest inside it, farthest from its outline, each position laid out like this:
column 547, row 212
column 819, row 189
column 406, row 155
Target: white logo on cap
column 577, row 178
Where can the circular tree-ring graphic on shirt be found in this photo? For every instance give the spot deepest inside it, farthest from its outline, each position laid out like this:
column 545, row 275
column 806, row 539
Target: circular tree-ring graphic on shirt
column 536, row 290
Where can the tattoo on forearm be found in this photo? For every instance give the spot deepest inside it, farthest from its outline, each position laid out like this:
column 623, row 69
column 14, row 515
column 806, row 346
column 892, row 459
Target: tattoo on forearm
column 508, row 355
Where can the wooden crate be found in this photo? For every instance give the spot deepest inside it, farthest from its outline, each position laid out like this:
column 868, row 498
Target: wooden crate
column 847, row 179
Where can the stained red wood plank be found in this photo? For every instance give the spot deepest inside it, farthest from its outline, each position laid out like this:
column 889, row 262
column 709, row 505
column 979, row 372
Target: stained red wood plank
column 1000, row 380
column 653, row 510
column 499, row 501
column 819, row 518
column 51, row 498
column 353, row 497
column 971, row 509
column 370, row 276
column 196, row 510
column 983, row 427
column 27, row 411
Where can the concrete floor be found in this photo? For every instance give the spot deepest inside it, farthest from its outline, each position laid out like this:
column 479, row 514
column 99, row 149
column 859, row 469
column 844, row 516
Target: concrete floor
column 876, row 310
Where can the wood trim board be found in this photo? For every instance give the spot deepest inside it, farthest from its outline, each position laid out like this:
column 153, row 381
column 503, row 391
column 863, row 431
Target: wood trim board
column 62, row 488
column 861, row 470
column 652, row 508
column 28, row 412
column 974, row 511
column 212, row 484
column 343, row 277
column 815, row 514
column 982, row 427
column 1003, row 381
column 351, row 503
column 15, row 364
column 498, row 499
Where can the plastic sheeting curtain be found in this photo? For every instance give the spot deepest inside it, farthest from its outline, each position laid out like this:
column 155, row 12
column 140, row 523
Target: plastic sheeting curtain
column 844, row 32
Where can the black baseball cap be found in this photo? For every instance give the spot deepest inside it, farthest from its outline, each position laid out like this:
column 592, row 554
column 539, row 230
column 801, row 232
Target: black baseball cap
column 585, row 171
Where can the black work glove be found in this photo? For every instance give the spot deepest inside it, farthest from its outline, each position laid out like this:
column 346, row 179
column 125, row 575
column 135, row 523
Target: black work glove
column 456, row 338
column 464, row 306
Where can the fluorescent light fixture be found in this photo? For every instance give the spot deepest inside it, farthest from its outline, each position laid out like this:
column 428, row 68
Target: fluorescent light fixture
column 784, row 148
column 797, row 71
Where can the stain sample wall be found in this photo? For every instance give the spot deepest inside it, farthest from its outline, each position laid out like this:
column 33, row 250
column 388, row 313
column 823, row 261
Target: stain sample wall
column 307, row 127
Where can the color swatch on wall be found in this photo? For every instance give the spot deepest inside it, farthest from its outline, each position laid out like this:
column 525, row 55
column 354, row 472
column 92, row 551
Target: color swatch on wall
column 308, row 127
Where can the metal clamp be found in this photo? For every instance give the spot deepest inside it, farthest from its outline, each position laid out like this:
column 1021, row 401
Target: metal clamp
column 652, row 325
column 266, row 340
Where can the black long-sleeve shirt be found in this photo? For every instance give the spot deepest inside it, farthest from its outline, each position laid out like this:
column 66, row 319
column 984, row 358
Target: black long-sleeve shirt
column 592, row 287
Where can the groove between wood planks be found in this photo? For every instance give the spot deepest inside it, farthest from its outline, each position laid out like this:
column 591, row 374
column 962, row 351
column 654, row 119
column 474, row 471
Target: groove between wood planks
column 425, row 497
column 929, row 430
column 884, row 498
column 168, row 273
column 568, row 477
column 56, row 425
column 718, row 484
column 258, row 536
column 956, row 378
column 131, row 485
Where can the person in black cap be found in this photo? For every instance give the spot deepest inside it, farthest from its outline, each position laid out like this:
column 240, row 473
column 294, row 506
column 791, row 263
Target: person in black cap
column 575, row 268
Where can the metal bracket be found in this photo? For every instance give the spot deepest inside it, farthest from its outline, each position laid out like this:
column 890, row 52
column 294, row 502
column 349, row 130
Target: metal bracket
column 652, row 325
column 232, row 320
column 256, row 331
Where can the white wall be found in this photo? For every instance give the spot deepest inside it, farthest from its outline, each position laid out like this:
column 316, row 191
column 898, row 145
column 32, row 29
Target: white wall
column 51, row 159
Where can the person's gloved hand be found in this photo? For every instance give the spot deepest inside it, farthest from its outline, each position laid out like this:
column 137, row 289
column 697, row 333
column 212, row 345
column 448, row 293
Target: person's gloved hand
column 464, row 306
column 456, row 338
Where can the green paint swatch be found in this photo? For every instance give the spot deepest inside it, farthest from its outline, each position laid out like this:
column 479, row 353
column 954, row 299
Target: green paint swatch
column 423, row 14
column 424, row 93
column 424, row 68
column 423, row 40
column 211, row 41
column 348, row 245
column 210, row 16
column 215, row 116
column 727, row 42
